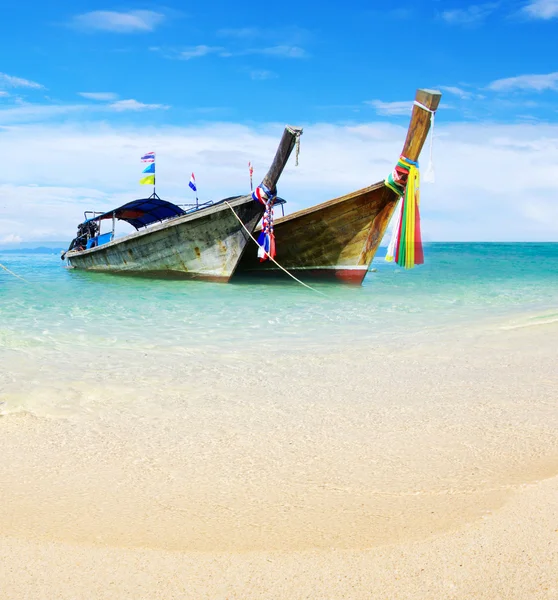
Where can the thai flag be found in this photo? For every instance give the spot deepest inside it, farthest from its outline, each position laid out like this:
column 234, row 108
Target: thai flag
column 192, row 183
column 149, row 157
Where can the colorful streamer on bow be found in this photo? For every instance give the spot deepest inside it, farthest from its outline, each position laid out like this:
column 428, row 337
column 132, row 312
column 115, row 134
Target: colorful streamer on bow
column 406, row 242
column 251, row 171
column 266, row 239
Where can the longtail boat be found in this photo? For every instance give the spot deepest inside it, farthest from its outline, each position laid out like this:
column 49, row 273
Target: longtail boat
column 338, row 239
column 204, row 242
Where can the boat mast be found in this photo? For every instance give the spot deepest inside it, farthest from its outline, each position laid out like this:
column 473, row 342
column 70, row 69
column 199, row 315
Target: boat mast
column 420, row 122
column 291, row 136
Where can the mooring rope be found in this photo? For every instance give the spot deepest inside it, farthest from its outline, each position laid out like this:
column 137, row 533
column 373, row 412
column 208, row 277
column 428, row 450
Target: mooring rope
column 272, row 259
column 14, row 274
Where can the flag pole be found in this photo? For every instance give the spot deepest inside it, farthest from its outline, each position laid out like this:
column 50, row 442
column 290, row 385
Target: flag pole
column 194, row 187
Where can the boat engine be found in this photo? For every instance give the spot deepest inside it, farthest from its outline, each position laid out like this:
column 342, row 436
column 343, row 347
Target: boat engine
column 85, row 232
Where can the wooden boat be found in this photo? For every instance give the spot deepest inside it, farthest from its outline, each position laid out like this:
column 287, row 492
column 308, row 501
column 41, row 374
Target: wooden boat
column 205, row 242
column 338, row 239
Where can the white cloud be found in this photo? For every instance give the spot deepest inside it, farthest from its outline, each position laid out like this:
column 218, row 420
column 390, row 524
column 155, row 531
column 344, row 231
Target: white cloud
column 3, row 94
column 493, row 182
column 243, row 32
column 262, row 75
column 11, row 239
column 134, row 21
column 282, row 51
column 287, row 36
column 123, row 105
column 27, row 113
column 391, row 108
column 541, row 9
column 18, row 82
column 472, row 15
column 538, row 83
column 198, row 51
column 101, row 96
column 456, row 91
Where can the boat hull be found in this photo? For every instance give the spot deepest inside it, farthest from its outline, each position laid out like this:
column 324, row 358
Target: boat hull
column 338, row 239
column 334, row 241
column 205, row 245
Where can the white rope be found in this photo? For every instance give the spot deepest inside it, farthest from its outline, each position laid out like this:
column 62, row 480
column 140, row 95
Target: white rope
column 429, row 176
column 420, row 105
column 272, row 259
column 12, row 273
column 296, row 131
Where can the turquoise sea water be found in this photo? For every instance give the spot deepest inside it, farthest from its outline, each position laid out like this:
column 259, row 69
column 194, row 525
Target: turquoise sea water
column 460, row 284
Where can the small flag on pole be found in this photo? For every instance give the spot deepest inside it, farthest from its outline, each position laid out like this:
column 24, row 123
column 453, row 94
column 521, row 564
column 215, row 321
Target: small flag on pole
column 251, row 170
column 192, row 183
column 149, row 168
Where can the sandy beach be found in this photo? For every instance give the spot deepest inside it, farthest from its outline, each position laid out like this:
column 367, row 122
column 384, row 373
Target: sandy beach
column 425, row 470
column 221, row 375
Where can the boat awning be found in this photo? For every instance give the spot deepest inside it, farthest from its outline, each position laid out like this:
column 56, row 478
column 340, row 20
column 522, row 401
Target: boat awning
column 143, row 212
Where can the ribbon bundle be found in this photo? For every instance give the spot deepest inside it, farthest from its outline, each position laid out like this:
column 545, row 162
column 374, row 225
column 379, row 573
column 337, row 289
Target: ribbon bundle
column 406, row 243
column 266, row 239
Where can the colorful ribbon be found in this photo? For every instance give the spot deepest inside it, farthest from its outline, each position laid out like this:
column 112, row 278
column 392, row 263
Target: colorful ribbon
column 406, row 241
column 266, row 239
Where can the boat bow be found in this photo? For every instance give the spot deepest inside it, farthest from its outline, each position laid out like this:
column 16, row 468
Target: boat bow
column 338, row 239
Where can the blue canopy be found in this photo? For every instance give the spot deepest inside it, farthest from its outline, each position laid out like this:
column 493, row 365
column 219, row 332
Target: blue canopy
column 143, row 212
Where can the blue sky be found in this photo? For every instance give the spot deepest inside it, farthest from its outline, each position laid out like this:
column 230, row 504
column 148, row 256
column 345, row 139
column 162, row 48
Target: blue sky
column 125, row 76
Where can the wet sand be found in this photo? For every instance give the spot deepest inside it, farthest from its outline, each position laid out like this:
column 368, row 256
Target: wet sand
column 419, row 471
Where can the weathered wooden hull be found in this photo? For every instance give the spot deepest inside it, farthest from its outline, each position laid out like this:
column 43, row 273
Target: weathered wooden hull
column 338, row 239
column 205, row 245
column 335, row 240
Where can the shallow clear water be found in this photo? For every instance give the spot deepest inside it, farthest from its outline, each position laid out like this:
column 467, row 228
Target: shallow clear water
column 182, row 415
column 459, row 284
